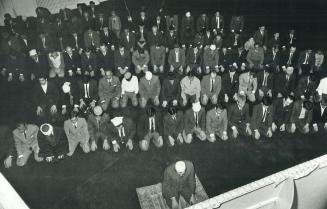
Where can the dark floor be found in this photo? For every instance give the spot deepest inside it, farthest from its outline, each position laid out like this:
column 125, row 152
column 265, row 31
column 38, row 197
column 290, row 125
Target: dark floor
column 107, row 180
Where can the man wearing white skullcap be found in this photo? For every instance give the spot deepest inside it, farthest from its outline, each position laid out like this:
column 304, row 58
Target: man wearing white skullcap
column 121, row 132
column 179, row 180
column 194, row 123
column 149, row 89
column 52, row 143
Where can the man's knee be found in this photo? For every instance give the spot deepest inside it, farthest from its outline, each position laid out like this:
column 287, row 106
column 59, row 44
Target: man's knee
column 204, row 100
column 144, row 145
column 188, row 139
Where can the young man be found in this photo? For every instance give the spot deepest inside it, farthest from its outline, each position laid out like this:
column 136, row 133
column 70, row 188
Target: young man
column 194, row 123
column 149, row 128
column 129, row 89
column 179, row 180
column 140, row 59
column 26, row 142
column 173, row 126
column 122, row 132
column 97, row 124
column 77, row 133
column 190, row 88
column 216, row 122
column 171, row 90
column 210, row 88
column 301, row 117
column 262, row 118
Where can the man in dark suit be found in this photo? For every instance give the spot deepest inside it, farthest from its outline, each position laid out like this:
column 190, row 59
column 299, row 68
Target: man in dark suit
column 173, row 126
column 194, row 60
column 290, row 39
column 284, row 84
column 289, row 58
column 149, row 127
column 87, row 22
column 72, row 61
column 217, row 122
column 261, row 36
column 52, row 143
column 301, row 117
column 127, row 39
column 100, row 22
column 230, row 83
column 171, row 38
column 237, row 24
column 239, row 117
column 265, row 82
column 97, row 123
column 123, row 61
column 160, row 22
column 87, row 93
column 202, row 23
column 306, row 62
column 89, row 63
column 179, row 180
column 217, row 23
column 154, row 37
column 187, row 29
column 109, row 38
column 282, row 109
column 272, row 58
column 234, row 40
column 319, row 119
column 194, row 123
column 262, row 118
column 122, row 131
column 105, row 59
column 157, row 58
column 306, row 87
column 170, row 91
column 75, row 41
column 45, row 97
column 44, row 43
column 91, row 39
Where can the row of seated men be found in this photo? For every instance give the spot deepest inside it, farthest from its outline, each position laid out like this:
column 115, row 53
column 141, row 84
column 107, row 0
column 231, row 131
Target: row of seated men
column 171, row 125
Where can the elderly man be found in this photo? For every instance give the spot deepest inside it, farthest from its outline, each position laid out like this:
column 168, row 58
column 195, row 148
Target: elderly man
column 216, row 122
column 194, row 123
column 149, row 88
column 51, row 142
column 122, row 132
column 37, row 64
column 129, row 89
column 149, row 128
column 190, row 88
column 97, row 124
column 211, row 59
column 173, row 126
column 109, row 90
column 77, row 133
column 179, row 180
column 26, row 142
column 140, row 60
column 210, row 88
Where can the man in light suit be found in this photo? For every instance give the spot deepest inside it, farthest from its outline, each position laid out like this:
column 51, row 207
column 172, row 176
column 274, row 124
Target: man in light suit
column 301, row 117
column 248, row 84
column 190, row 88
column 210, row 88
column 25, row 138
column 109, row 90
column 262, row 118
column 149, row 88
column 173, row 126
column 97, row 123
column 77, row 133
column 194, row 123
column 216, row 122
column 122, row 131
column 149, row 128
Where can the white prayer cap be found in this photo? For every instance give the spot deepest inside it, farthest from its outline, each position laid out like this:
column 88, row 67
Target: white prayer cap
column 66, row 87
column 188, row 14
column 46, row 129
column 148, row 75
column 97, row 110
column 196, row 106
column 32, row 52
column 213, row 47
column 117, row 121
column 180, row 166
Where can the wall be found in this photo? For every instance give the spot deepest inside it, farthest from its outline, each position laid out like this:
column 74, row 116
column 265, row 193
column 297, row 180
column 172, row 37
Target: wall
column 16, row 7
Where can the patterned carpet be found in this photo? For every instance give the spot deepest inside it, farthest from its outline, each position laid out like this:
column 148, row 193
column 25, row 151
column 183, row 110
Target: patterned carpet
column 150, row 197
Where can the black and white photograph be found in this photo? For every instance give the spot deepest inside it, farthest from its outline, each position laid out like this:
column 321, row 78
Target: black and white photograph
column 163, row 104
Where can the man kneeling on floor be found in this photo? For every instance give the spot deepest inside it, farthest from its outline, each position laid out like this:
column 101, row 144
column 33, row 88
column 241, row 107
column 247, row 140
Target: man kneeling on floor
column 179, row 180
column 25, row 138
column 121, row 132
column 51, row 142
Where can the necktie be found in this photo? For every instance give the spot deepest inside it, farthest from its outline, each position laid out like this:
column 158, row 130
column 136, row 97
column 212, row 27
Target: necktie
column 127, row 37
column 264, row 115
column 25, row 134
column 174, row 117
column 75, row 125
column 211, row 86
column 231, row 78
column 152, row 129
column 196, row 119
column 194, row 57
column 177, row 57
column 43, row 42
column 76, row 42
column 86, row 90
column 306, row 59
column 291, row 41
column 290, row 59
column 98, row 124
column 265, row 80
